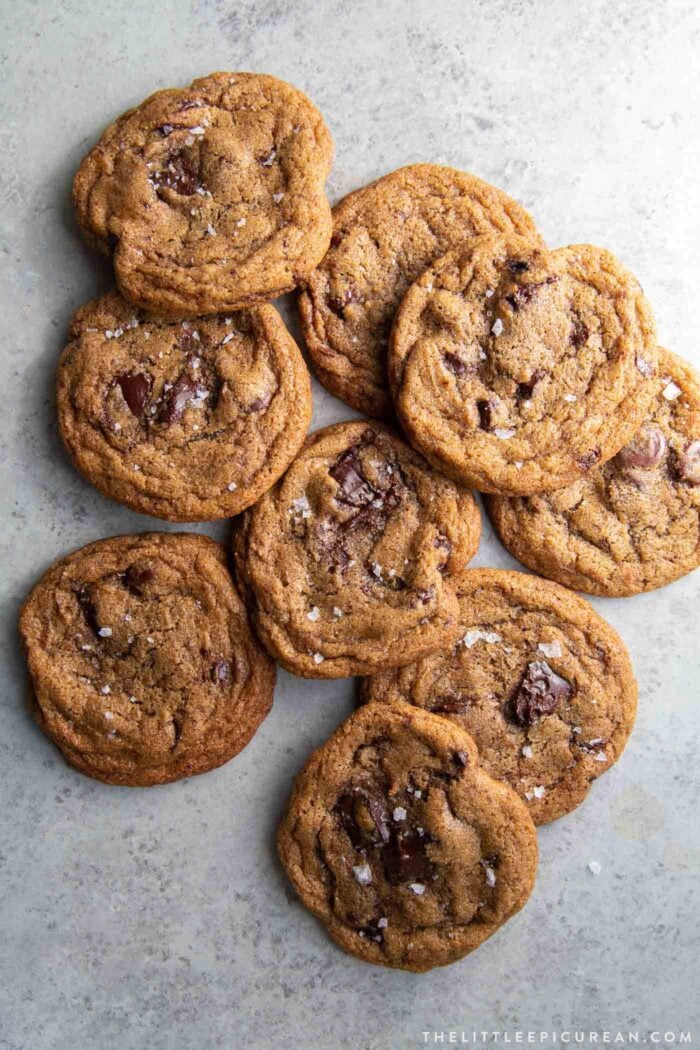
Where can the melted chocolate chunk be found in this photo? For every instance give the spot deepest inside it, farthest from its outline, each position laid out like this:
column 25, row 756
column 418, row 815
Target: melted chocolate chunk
column 220, row 671
column 578, row 334
column 485, row 414
column 686, row 464
column 517, row 265
column 526, row 292
column 539, row 693
column 178, row 175
column 88, row 608
column 589, row 459
column 361, row 837
column 450, row 705
column 527, row 389
column 136, row 390
column 183, row 390
column 259, row 404
column 354, row 487
column 135, row 579
column 337, row 303
column 455, row 364
column 646, row 450
column 167, row 129
column 406, row 859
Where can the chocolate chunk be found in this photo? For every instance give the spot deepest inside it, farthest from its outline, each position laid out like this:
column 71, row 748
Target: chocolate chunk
column 88, row 608
column 135, row 579
column 337, row 303
column 426, row 595
column 455, row 364
column 578, row 334
column 354, row 487
column 373, row 931
column 260, row 403
column 686, row 464
column 539, row 693
column 136, row 390
column 526, row 292
column 220, row 671
column 175, row 401
column 191, row 103
column 526, row 390
column 589, row 459
column 178, row 175
column 361, row 837
column 517, row 265
column 450, row 706
column 406, row 859
column 167, row 129
column 485, row 414
column 646, row 450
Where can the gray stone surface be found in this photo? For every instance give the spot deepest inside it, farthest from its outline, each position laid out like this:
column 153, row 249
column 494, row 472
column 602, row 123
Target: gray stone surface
column 160, row 918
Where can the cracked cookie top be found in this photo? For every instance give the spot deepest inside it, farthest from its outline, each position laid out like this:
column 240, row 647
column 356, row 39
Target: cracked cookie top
column 632, row 524
column 402, row 844
column 541, row 682
column 518, row 370
column 210, row 198
column 384, row 236
column 188, row 421
column 143, row 665
column 347, row 564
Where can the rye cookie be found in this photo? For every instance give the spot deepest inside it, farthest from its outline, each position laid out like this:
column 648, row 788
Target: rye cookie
column 402, row 845
column 188, row 421
column 633, row 524
column 210, row 198
column 144, row 668
column 347, row 564
column 384, row 236
column 516, row 369
column 541, row 682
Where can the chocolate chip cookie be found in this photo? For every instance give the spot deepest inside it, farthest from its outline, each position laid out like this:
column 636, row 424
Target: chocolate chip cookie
column 633, row 524
column 143, row 665
column 188, row 421
column 347, row 564
column 210, row 198
column 541, row 682
column 402, row 844
column 518, row 370
column 384, row 236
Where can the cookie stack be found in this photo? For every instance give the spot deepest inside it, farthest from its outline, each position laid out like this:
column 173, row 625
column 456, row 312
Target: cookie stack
column 490, row 700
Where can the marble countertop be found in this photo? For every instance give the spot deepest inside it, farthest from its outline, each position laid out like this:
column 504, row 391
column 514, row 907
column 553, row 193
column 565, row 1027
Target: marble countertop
column 160, row 918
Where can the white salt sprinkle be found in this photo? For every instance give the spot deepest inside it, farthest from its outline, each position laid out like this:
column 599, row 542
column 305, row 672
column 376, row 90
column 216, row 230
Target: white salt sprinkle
column 318, row 659
column 504, row 432
column 671, row 391
column 105, row 690
column 105, row 632
column 594, row 867
column 527, row 751
column 313, row 614
column 550, row 649
column 497, row 326
column 539, row 791
column 232, row 486
column 363, row 874
column 399, row 813
column 418, row 888
column 476, row 635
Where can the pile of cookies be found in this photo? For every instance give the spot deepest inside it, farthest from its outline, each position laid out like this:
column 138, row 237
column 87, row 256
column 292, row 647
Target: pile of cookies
column 490, row 700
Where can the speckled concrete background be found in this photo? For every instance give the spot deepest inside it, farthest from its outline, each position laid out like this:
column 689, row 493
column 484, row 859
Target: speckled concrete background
column 160, row 918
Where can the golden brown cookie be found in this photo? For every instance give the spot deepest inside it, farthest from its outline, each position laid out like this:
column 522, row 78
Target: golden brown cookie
column 384, row 236
column 210, row 198
column 517, row 370
column 632, row 524
column 188, row 421
column 399, row 842
column 144, row 668
column 541, row 682
column 347, row 564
